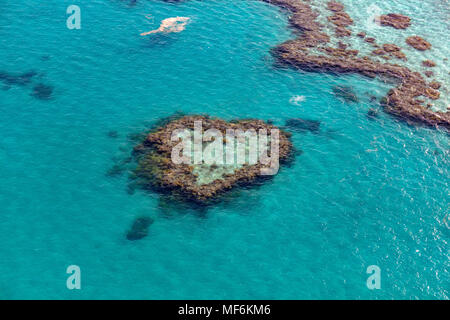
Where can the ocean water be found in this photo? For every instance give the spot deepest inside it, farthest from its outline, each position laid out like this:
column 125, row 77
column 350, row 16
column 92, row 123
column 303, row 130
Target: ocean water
column 363, row 192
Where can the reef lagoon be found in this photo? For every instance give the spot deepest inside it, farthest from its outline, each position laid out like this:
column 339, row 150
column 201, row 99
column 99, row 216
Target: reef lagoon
column 368, row 183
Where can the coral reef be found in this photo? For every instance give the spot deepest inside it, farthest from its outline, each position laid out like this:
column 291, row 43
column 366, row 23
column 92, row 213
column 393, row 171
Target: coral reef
column 392, row 50
column 361, row 34
column 418, row 43
column 302, row 53
column 395, row 20
column 197, row 182
column 340, row 19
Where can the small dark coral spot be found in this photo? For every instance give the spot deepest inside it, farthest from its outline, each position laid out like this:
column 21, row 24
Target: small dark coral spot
column 42, row 91
column 139, row 229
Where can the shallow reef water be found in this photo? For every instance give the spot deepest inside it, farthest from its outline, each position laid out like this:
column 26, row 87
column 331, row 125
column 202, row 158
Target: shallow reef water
column 365, row 191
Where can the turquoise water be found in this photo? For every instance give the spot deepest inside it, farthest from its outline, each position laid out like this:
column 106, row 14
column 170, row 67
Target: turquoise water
column 363, row 192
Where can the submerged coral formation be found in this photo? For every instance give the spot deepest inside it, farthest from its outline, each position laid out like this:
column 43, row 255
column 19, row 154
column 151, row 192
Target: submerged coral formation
column 42, row 91
column 17, row 79
column 313, row 51
column 139, row 229
column 429, row 63
column 199, row 182
column 39, row 91
column 345, row 93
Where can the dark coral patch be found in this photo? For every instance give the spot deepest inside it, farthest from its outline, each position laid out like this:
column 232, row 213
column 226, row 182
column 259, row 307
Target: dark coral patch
column 139, row 228
column 428, row 63
column 42, row 91
column 303, row 125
